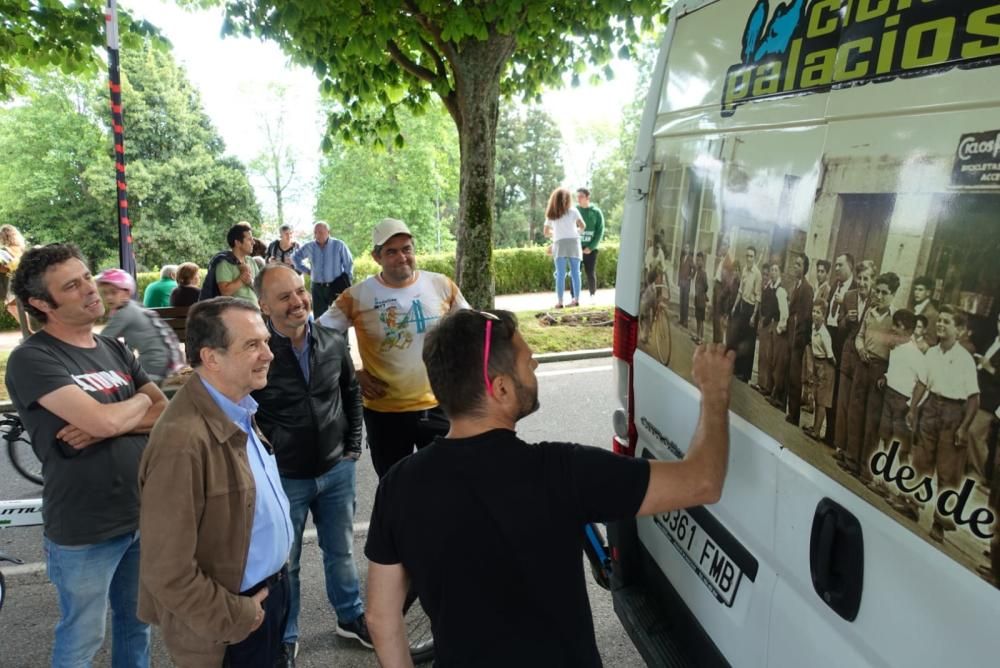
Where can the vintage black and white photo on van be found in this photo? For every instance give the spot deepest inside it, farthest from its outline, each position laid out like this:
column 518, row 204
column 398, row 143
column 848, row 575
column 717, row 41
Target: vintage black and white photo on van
column 860, row 293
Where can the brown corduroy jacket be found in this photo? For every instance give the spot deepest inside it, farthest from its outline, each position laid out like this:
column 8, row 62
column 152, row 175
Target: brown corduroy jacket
column 197, row 505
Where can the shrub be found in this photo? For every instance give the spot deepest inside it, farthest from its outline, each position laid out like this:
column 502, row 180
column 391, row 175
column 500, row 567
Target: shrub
column 517, row 270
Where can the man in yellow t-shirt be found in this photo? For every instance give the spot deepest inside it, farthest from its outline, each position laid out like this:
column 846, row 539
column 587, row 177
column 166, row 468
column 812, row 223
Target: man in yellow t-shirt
column 391, row 313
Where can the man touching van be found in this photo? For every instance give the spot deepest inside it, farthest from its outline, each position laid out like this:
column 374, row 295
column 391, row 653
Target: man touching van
column 486, row 527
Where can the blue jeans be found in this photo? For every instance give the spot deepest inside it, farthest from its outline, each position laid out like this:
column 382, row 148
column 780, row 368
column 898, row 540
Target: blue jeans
column 86, row 578
column 331, row 500
column 574, row 276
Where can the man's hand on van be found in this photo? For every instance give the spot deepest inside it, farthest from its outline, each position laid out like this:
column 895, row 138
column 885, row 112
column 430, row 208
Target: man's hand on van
column 712, row 371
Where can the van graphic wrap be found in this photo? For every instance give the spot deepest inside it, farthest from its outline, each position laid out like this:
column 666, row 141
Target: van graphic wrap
column 848, row 255
column 810, row 47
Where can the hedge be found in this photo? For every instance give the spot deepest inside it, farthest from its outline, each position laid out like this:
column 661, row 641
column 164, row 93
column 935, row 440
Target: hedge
column 518, row 270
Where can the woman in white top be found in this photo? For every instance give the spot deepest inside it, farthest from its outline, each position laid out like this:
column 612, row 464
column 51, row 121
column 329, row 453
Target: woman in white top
column 563, row 224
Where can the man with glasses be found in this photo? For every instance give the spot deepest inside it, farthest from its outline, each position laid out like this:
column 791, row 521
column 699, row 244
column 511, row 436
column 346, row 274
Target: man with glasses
column 391, row 313
column 488, row 528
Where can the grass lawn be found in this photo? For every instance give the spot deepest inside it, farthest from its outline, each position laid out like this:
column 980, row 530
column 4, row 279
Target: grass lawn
column 561, row 330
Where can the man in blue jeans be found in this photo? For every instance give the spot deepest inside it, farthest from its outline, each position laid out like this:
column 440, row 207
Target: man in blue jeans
column 310, row 411
column 88, row 407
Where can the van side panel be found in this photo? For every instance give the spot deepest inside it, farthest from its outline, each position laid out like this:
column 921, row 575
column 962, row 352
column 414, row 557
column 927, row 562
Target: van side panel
column 808, row 130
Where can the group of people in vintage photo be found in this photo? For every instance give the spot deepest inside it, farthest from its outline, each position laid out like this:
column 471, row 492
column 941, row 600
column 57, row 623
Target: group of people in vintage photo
column 872, row 366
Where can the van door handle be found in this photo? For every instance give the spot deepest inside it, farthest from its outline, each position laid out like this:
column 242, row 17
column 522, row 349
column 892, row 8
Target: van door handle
column 837, row 558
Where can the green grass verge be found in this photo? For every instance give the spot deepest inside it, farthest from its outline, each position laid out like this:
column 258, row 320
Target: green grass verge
column 557, row 338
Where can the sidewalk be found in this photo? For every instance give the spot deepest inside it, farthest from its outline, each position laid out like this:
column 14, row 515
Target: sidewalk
column 525, row 302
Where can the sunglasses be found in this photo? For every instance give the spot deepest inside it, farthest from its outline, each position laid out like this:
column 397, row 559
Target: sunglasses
column 490, row 319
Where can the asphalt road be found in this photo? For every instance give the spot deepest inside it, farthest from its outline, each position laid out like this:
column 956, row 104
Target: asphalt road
column 576, row 399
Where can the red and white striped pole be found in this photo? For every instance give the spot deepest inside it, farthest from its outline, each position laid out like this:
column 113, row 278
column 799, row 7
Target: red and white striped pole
column 126, row 254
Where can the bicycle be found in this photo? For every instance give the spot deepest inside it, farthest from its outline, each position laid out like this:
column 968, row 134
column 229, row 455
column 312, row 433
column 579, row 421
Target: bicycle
column 19, row 448
column 3, row 588
column 17, row 513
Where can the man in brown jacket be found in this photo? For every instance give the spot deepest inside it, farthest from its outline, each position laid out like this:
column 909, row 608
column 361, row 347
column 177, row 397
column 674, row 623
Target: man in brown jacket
column 214, row 518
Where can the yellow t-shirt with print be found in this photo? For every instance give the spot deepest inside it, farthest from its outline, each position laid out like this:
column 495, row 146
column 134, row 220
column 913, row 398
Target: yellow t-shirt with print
column 390, row 324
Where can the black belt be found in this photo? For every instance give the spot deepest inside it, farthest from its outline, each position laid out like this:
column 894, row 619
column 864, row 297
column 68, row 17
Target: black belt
column 946, row 399
column 327, row 283
column 269, row 582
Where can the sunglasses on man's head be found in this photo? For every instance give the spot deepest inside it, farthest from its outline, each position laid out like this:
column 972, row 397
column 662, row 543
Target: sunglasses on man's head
column 490, row 318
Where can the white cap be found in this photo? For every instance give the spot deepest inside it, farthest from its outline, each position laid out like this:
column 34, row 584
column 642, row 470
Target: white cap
column 388, row 228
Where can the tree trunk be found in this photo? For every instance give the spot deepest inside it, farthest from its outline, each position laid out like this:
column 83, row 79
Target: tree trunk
column 475, row 109
column 278, row 188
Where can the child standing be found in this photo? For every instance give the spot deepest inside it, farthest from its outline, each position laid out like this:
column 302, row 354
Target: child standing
column 819, row 370
column 907, row 367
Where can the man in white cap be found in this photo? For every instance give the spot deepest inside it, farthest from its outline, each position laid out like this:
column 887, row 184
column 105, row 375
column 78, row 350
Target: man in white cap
column 391, row 313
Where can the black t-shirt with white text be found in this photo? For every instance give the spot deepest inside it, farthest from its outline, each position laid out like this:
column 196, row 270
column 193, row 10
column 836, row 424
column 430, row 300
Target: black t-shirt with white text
column 490, row 530
column 89, row 495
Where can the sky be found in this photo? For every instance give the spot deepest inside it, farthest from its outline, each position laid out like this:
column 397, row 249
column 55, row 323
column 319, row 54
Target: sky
column 234, row 76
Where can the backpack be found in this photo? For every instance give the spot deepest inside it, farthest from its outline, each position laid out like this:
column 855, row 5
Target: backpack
column 210, row 286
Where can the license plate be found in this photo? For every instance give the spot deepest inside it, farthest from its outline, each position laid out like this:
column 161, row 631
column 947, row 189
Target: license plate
column 716, row 569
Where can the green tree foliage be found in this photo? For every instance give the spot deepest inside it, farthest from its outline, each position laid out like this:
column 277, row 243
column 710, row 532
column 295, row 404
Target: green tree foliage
column 417, row 183
column 528, row 167
column 37, row 35
column 57, row 179
column 377, row 57
column 50, row 177
column 610, row 176
column 183, row 192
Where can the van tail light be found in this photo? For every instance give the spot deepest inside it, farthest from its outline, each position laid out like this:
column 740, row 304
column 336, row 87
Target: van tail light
column 626, row 337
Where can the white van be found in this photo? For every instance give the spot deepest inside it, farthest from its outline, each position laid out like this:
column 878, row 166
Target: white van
column 781, row 140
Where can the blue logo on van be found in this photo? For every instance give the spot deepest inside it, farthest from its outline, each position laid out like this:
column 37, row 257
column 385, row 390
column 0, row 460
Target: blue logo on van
column 811, row 46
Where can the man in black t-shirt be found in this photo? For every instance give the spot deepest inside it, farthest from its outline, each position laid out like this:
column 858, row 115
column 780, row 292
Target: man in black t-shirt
column 88, row 406
column 489, row 529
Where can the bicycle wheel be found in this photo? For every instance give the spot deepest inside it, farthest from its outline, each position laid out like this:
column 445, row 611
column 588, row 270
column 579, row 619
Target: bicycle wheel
column 19, row 449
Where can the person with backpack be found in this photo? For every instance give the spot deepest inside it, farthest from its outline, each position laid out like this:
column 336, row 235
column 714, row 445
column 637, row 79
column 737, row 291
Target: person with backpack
column 230, row 273
column 143, row 331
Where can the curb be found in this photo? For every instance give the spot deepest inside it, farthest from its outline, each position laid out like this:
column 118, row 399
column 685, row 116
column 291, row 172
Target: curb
column 571, row 355
column 34, row 568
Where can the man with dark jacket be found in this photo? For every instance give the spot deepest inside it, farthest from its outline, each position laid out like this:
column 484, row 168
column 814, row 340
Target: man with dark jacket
column 310, row 411
column 800, row 333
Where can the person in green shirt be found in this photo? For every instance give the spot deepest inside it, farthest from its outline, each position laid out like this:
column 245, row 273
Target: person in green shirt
column 157, row 293
column 591, row 236
column 236, row 280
